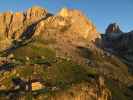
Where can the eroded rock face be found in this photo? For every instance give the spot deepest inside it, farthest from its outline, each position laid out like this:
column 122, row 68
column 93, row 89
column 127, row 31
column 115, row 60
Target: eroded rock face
column 12, row 25
column 68, row 23
column 80, row 24
column 5, row 20
column 35, row 13
column 17, row 23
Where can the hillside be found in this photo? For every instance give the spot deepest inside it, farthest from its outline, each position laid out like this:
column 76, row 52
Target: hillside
column 59, row 57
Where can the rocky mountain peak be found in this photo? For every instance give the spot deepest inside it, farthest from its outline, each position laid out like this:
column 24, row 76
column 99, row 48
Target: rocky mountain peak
column 66, row 12
column 37, row 20
column 13, row 25
column 113, row 28
column 86, row 30
column 63, row 12
column 35, row 13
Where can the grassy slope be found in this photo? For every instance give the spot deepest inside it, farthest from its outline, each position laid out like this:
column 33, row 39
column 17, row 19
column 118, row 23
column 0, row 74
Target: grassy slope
column 60, row 73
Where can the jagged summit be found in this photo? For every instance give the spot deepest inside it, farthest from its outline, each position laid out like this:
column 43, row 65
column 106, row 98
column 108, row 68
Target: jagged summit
column 80, row 23
column 35, row 12
column 14, row 25
column 66, row 12
column 113, row 28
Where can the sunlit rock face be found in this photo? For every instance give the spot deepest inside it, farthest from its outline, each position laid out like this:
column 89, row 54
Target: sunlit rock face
column 35, row 13
column 80, row 24
column 16, row 24
column 38, row 21
column 5, row 20
column 12, row 25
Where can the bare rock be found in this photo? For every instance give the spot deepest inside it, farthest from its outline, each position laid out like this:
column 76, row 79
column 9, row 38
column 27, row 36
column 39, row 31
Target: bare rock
column 35, row 13
column 12, row 25
column 85, row 30
column 113, row 28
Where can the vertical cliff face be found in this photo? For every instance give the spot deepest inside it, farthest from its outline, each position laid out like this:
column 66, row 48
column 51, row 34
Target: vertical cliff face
column 12, row 25
column 35, row 14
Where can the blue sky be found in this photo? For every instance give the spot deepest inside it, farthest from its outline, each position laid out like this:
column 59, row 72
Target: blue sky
column 100, row 12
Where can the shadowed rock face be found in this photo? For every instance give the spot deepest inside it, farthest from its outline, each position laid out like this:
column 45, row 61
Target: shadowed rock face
column 113, row 28
column 120, row 43
column 116, row 39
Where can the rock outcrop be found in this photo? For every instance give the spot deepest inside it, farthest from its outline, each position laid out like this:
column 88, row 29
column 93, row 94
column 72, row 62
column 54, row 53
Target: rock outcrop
column 12, row 25
column 80, row 24
column 35, row 14
column 37, row 21
column 120, row 43
column 116, row 39
column 113, row 28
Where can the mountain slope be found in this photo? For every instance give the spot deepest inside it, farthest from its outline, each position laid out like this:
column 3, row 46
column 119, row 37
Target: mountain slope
column 55, row 57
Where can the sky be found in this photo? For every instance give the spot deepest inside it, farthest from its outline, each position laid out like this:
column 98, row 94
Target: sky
column 100, row 12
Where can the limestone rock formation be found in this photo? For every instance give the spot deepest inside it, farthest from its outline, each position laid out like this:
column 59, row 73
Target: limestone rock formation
column 37, row 21
column 70, row 22
column 80, row 24
column 113, row 28
column 35, row 14
column 12, row 25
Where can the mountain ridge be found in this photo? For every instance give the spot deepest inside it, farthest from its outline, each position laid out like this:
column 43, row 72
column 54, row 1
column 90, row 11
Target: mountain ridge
column 61, row 56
